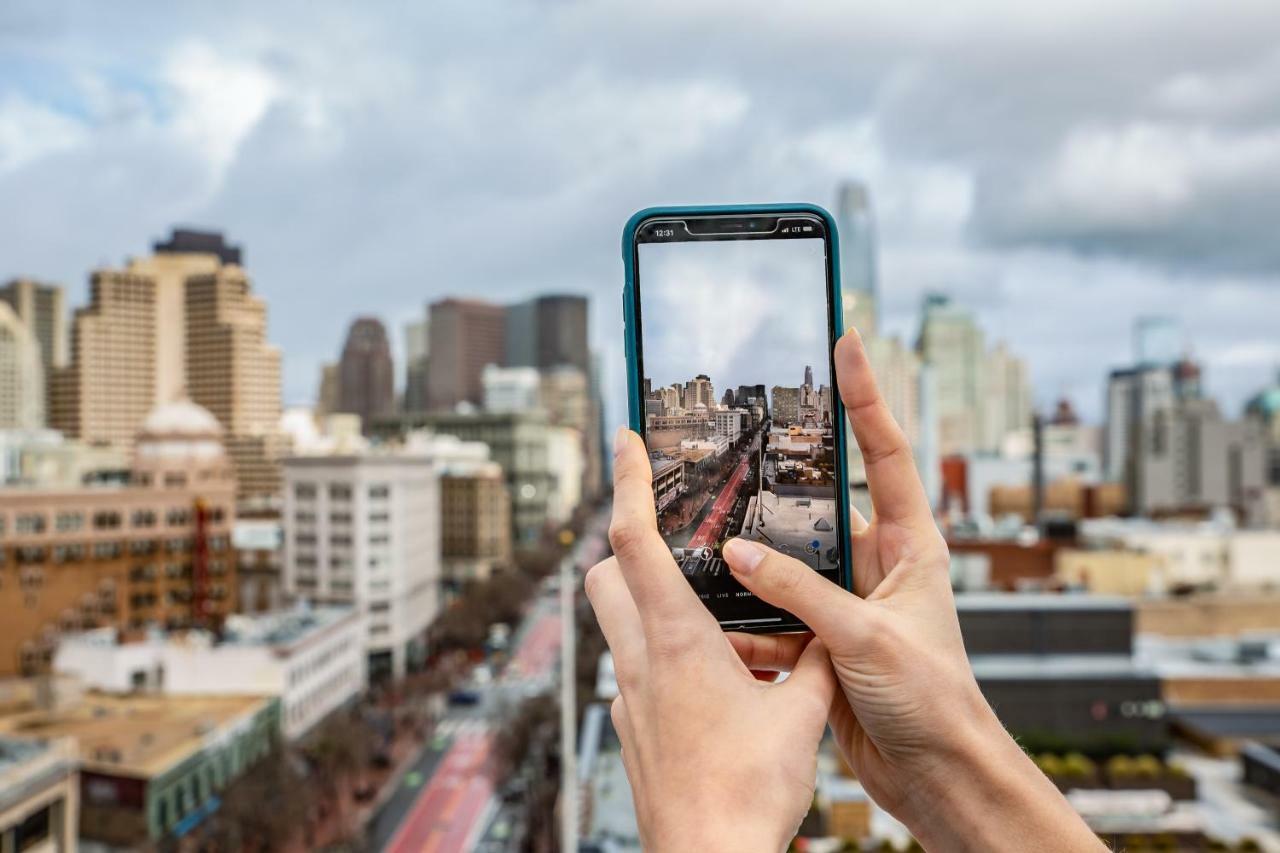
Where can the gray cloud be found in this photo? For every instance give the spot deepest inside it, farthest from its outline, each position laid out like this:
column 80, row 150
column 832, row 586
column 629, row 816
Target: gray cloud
column 1059, row 169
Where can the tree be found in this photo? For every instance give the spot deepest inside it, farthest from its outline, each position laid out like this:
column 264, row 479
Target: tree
column 264, row 808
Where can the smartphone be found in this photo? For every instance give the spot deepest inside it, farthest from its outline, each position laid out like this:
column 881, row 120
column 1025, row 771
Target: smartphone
column 731, row 316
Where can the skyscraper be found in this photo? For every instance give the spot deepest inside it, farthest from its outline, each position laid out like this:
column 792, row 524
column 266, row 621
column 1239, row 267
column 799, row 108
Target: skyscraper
column 465, row 335
column 234, row 372
column 415, row 366
column 808, row 376
column 952, row 344
column 858, row 287
column 548, row 331
column 103, row 395
column 22, row 395
column 40, row 307
column 1007, row 397
column 366, row 375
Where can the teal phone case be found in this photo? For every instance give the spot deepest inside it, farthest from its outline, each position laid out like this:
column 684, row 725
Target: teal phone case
column 631, row 309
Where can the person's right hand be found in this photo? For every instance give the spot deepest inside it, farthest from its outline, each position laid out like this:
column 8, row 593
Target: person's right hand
column 910, row 720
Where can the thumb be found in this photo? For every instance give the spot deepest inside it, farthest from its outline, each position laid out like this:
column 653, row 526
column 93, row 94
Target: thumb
column 813, row 678
column 829, row 611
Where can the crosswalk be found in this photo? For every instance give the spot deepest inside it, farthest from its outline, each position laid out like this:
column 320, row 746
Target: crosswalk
column 463, row 727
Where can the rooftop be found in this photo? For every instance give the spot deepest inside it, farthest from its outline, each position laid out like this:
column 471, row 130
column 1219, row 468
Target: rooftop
column 979, row 601
column 142, row 735
column 1057, row 667
column 28, row 766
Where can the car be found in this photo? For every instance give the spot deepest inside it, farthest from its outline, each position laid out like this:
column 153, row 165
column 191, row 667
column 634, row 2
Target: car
column 464, row 696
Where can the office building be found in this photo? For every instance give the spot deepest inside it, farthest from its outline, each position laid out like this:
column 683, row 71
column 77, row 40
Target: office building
column 415, row 366
column 22, row 376
column 699, row 392
column 732, row 423
column 549, row 331
column 109, row 384
column 234, row 372
column 41, row 309
column 363, row 530
column 465, row 335
column 152, row 551
column 310, row 659
column 327, row 400
column 953, row 346
column 567, row 465
column 517, row 441
column 511, row 389
column 858, row 286
column 366, row 375
column 785, row 406
column 1006, row 394
column 153, row 766
column 39, row 795
column 1190, row 460
column 475, row 522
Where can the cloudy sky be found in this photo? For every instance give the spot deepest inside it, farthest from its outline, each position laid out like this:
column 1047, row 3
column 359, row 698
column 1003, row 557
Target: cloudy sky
column 1058, row 167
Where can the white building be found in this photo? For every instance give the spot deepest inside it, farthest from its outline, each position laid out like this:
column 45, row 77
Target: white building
column 511, row 389
column 365, row 530
column 1212, row 553
column 567, row 463
column 22, row 374
column 732, row 423
column 312, row 660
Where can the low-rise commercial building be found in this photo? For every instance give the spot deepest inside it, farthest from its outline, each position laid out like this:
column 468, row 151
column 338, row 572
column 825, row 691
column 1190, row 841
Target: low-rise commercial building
column 475, row 523
column 39, row 795
column 311, row 660
column 153, row 766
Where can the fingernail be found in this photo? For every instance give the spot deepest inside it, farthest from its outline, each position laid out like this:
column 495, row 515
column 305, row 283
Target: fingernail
column 619, row 440
column 743, row 556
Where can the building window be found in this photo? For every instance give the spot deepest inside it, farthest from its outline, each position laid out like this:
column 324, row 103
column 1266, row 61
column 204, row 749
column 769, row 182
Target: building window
column 339, row 518
column 304, row 491
column 107, row 550
column 178, row 518
column 378, row 492
column 67, row 522
column 106, row 520
column 175, row 480
column 339, row 492
column 143, row 518
column 29, row 522
column 304, row 517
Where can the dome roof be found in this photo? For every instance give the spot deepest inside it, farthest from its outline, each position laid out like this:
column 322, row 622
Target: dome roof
column 181, row 418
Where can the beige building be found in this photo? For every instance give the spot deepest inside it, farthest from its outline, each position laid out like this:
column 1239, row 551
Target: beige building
column 41, row 308
column 22, row 389
column 39, row 795
column 1110, row 571
column 103, row 395
column 153, row 551
column 234, row 372
column 475, row 528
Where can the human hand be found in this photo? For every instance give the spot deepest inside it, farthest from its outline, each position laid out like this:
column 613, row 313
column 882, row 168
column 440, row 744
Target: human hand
column 717, row 759
column 910, row 719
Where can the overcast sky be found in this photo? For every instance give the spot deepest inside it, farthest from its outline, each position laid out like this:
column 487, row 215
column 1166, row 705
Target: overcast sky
column 1059, row 167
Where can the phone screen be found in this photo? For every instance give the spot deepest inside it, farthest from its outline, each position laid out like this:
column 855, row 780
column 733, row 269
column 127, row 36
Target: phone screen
column 740, row 416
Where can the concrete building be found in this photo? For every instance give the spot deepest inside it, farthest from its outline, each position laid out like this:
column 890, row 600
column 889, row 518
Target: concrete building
column 1006, row 394
column 259, row 553
column 109, row 385
column 568, row 465
column 364, row 530
column 41, row 309
column 366, row 374
column 732, row 423
column 511, row 389
column 785, row 405
column 953, row 346
column 22, row 375
column 517, row 441
column 475, row 523
column 153, row 766
column 44, row 458
column 858, row 279
column 415, row 366
column 39, row 795
column 152, row 551
column 549, row 331
column 311, row 659
column 466, row 335
column 234, row 372
column 1134, row 396
column 668, row 479
column 699, row 391
column 1210, row 554
column 1190, row 460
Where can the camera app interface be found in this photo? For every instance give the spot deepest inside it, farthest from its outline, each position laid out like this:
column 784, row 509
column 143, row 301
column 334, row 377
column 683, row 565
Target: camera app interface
column 738, row 406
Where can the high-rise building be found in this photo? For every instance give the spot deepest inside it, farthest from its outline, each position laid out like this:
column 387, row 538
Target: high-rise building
column 858, row 287
column 153, row 551
column 511, row 389
column 475, row 506
column 808, row 376
column 103, row 395
column 22, row 391
column 327, row 394
column 234, row 372
column 952, row 344
column 366, row 375
column 785, row 406
column 699, row 392
column 364, row 530
column 465, row 335
column 1006, row 392
column 1134, row 395
column 40, row 307
column 548, row 331
column 415, row 366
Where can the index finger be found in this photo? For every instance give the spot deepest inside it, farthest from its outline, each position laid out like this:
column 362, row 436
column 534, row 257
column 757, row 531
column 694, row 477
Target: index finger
column 659, row 590
column 892, row 479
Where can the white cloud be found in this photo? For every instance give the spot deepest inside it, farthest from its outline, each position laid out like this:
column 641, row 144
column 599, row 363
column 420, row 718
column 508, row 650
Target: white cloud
column 30, row 131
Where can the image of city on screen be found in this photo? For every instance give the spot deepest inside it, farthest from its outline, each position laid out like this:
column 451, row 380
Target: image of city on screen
column 738, row 426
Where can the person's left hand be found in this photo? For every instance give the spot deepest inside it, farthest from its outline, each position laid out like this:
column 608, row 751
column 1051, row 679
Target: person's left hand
column 717, row 758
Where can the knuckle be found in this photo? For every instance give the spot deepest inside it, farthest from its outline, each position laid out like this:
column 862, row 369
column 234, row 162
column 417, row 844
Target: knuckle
column 789, row 575
column 591, row 582
column 625, row 535
column 617, row 712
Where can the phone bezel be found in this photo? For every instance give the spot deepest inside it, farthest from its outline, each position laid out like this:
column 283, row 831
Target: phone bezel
column 633, row 332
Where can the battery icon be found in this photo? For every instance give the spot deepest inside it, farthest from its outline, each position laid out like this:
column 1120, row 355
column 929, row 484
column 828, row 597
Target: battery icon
column 808, row 227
